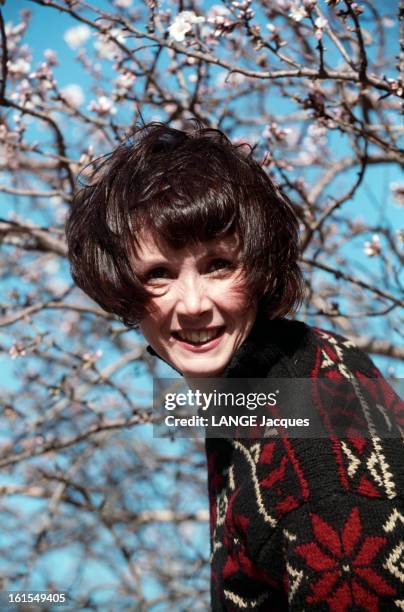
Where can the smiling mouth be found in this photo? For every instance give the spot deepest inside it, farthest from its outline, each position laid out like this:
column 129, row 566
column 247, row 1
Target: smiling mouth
column 198, row 337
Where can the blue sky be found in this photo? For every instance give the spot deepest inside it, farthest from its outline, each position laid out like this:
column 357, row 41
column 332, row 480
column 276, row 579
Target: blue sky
column 47, row 31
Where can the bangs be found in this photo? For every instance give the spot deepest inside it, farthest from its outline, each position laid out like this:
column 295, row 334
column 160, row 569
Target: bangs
column 190, row 209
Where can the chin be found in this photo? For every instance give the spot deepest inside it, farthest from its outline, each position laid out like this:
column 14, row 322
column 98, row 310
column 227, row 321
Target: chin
column 208, row 372
column 199, row 374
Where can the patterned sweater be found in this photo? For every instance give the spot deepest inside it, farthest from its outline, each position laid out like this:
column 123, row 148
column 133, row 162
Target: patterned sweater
column 300, row 524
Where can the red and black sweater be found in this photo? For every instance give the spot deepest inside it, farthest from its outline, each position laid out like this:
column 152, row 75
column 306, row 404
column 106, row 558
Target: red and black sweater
column 300, row 524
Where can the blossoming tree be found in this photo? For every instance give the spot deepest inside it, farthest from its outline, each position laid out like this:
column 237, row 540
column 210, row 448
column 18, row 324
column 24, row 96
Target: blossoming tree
column 315, row 86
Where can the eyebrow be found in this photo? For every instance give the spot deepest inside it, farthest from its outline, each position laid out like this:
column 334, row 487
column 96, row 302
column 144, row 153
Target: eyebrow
column 227, row 249
column 143, row 265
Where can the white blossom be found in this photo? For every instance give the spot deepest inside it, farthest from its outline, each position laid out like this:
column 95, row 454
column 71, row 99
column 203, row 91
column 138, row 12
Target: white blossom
column 73, row 94
column 317, row 132
column 396, row 87
column 52, row 266
column 182, row 24
column 297, row 11
column 56, row 285
column 17, row 350
column 107, row 48
column 321, row 23
column 87, row 156
column 274, row 132
column 91, row 357
column 242, row 6
column 284, row 4
column 102, row 106
column 388, row 22
column 124, row 82
column 123, row 3
column 217, row 14
column 43, row 72
column 15, row 30
column 24, row 88
column 51, row 57
column 19, row 67
column 75, row 37
column 373, row 247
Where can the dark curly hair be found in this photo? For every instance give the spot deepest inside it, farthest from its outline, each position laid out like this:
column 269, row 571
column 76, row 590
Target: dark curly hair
column 183, row 186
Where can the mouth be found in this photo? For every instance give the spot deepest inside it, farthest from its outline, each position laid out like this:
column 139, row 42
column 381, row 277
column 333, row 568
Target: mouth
column 198, row 337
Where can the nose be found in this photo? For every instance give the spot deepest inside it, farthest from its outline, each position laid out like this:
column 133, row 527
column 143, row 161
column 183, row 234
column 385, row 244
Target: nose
column 193, row 296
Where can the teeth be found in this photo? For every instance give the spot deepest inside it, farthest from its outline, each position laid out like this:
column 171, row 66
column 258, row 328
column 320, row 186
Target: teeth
column 198, row 337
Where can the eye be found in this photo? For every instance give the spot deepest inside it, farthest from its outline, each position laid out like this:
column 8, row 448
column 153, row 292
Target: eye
column 157, row 273
column 219, row 264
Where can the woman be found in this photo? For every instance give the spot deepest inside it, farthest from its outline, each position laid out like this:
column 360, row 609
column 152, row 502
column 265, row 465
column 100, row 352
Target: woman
column 184, row 234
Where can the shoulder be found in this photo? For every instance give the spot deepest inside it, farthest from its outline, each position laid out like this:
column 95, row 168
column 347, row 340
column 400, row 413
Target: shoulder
column 318, row 352
column 341, row 351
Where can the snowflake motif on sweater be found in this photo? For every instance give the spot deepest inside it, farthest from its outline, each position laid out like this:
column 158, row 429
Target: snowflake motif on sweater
column 300, row 524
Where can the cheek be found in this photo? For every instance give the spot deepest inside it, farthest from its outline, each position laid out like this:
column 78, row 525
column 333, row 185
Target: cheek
column 236, row 300
column 150, row 326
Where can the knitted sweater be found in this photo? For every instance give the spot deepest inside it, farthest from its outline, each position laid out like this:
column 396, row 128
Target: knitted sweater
column 300, row 524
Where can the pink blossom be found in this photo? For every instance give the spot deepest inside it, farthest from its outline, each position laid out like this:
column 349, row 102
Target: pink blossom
column 397, row 191
column 357, row 9
column 102, row 106
column 396, row 87
column 87, row 156
column 221, row 17
column 17, row 350
column 91, row 357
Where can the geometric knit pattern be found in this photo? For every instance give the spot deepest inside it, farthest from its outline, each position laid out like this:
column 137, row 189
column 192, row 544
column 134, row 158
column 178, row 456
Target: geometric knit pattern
column 303, row 524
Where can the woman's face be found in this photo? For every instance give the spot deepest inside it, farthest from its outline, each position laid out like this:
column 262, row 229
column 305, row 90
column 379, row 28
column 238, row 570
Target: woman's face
column 199, row 313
